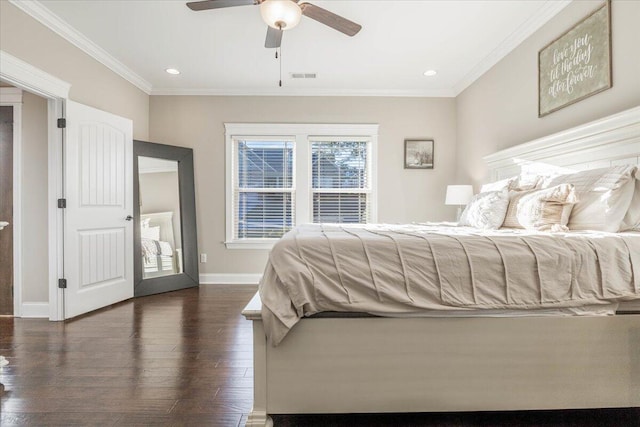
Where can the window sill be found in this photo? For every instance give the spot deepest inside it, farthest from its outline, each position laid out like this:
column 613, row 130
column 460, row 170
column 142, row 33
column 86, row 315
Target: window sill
column 264, row 244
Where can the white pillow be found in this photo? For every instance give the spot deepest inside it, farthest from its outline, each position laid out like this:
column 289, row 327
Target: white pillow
column 486, row 210
column 631, row 220
column 543, row 210
column 604, row 196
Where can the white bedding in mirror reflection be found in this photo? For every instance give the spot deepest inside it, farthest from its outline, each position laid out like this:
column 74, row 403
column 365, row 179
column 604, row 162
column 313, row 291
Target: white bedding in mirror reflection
column 160, row 227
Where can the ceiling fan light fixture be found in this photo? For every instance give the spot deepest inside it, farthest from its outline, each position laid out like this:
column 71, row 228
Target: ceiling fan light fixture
column 280, row 14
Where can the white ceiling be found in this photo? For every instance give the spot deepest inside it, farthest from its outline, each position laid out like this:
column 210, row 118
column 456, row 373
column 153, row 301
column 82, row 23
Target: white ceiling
column 221, row 51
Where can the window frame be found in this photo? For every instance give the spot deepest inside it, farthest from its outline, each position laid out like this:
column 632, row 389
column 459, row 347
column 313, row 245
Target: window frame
column 302, row 135
column 236, row 189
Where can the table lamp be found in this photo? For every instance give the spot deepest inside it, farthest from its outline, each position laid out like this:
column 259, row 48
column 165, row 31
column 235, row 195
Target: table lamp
column 458, row 195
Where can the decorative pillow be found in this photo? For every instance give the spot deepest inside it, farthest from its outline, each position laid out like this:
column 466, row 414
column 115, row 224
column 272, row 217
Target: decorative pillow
column 527, row 182
column 503, row 184
column 604, row 197
column 517, row 183
column 631, row 220
column 486, row 210
column 511, row 217
column 543, row 210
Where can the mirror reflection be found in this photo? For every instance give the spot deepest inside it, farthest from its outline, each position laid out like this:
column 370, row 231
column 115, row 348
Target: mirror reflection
column 160, row 228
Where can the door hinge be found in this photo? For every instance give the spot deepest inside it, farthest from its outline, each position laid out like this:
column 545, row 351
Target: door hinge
column 62, row 283
column 62, row 123
column 62, row 203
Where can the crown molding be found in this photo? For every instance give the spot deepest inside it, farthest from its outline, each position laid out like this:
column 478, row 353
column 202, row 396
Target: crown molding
column 287, row 91
column 36, row 10
column 26, row 76
column 550, row 9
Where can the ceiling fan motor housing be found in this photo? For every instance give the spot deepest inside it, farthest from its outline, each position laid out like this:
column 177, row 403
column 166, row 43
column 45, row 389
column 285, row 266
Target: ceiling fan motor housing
column 280, row 14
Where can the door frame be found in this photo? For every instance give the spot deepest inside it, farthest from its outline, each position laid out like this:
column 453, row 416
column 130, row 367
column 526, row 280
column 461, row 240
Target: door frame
column 32, row 79
column 12, row 97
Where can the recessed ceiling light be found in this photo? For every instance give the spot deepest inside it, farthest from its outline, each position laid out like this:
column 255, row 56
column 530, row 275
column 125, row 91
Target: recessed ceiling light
column 430, row 73
column 172, row 71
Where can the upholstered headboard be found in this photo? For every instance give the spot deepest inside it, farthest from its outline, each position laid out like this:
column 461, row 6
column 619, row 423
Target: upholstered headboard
column 613, row 140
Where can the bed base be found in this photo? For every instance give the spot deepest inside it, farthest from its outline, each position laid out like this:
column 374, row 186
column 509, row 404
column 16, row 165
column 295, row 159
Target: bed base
column 375, row 365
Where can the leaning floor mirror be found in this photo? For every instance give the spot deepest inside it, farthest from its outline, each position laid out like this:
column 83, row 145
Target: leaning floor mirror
column 165, row 246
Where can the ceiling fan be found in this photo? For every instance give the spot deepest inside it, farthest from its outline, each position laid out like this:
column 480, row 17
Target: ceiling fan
column 283, row 15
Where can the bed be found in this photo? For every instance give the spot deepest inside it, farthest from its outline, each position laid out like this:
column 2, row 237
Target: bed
column 358, row 363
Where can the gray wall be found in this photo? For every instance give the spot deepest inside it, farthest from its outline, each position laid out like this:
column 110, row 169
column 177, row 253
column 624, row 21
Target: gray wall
column 500, row 109
column 91, row 82
column 403, row 195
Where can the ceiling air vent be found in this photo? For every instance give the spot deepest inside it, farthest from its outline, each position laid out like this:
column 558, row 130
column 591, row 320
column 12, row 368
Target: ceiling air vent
column 303, row 75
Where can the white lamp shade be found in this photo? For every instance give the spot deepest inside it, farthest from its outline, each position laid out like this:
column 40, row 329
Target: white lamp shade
column 280, row 14
column 458, row 194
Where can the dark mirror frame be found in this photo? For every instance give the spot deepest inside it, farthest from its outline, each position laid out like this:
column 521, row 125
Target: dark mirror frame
column 189, row 277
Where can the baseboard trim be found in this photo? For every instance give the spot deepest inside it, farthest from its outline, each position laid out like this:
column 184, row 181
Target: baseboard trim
column 34, row 310
column 230, row 279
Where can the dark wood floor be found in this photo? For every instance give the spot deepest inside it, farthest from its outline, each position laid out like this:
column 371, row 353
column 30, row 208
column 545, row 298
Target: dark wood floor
column 182, row 358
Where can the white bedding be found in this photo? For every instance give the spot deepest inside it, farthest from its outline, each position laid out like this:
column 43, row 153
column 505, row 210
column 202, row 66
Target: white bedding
column 400, row 270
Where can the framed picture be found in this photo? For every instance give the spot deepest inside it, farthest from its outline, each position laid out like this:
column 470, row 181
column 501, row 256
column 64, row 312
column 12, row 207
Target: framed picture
column 577, row 64
column 418, row 153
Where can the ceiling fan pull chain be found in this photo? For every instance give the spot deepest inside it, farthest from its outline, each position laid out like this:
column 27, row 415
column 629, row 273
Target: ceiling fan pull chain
column 280, row 83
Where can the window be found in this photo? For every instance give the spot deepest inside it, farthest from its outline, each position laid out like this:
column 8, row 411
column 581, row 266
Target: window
column 263, row 191
column 340, row 180
column 280, row 175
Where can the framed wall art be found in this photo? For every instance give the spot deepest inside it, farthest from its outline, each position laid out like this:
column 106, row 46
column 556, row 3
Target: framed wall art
column 577, row 64
column 418, row 153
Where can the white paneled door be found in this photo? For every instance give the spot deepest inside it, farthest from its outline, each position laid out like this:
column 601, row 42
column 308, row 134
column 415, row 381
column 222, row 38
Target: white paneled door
column 98, row 234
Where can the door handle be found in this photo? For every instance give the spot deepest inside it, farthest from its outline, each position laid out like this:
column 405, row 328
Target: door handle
column 129, row 218
column 3, row 224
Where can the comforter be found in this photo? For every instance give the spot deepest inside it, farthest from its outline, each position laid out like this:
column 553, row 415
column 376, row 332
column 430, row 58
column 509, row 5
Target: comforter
column 400, row 269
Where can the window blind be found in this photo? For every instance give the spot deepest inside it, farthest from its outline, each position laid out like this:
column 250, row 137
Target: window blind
column 341, row 175
column 264, row 195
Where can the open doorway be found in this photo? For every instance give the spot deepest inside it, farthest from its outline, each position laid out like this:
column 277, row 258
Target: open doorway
column 32, row 84
column 24, row 239
column 84, row 221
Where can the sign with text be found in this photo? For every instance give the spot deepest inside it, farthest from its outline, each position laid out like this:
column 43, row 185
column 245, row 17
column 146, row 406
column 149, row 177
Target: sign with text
column 577, row 64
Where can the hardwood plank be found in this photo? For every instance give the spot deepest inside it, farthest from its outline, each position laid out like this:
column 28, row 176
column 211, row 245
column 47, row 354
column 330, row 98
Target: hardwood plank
column 195, row 420
column 62, row 404
column 51, row 419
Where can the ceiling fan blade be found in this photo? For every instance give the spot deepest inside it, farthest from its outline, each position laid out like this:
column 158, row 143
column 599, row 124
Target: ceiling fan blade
column 330, row 19
column 274, row 38
column 217, row 4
